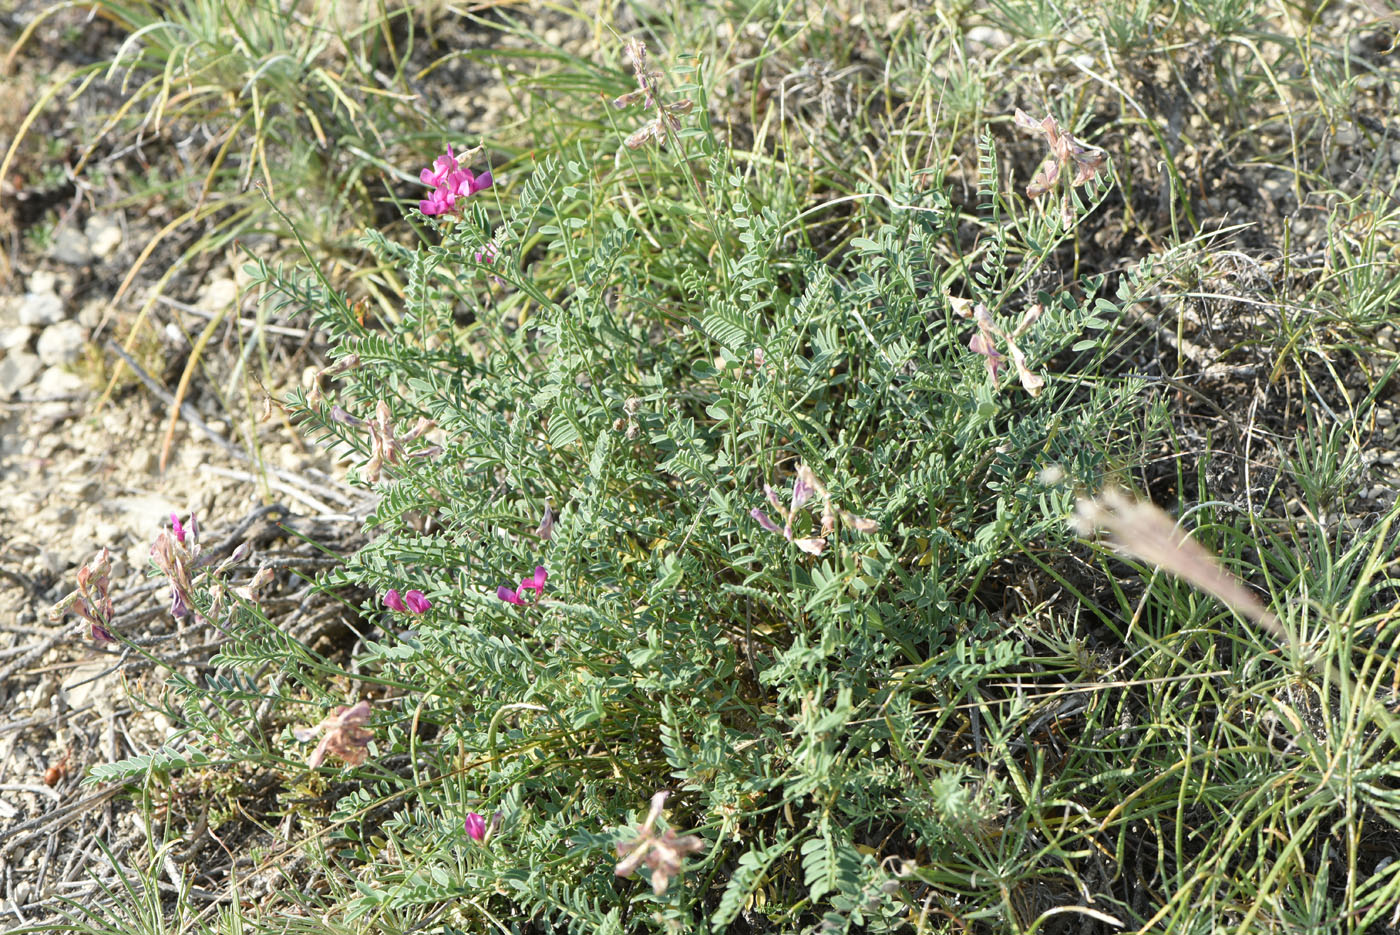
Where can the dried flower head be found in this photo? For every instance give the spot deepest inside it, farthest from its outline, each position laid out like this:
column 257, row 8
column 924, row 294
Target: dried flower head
column 92, row 599
column 667, row 116
column 343, row 734
column 662, row 853
column 1065, row 152
column 984, row 342
column 806, row 485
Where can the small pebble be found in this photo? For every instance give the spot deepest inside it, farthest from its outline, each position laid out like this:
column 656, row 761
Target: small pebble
column 38, row 309
column 17, row 370
column 62, row 343
column 17, row 337
column 104, row 235
column 71, row 246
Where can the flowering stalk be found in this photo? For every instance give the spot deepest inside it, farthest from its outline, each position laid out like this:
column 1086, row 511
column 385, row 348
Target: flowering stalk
column 804, row 486
column 667, row 120
column 386, row 446
column 984, row 341
column 92, row 599
column 176, row 552
column 451, row 183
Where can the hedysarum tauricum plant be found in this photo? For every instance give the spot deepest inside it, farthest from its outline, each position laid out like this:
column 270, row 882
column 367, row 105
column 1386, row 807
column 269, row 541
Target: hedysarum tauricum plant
column 770, row 669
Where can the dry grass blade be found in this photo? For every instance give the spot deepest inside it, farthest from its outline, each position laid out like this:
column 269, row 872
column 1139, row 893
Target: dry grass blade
column 1145, row 532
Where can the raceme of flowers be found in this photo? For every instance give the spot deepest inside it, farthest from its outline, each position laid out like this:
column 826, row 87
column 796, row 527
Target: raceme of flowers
column 804, row 486
column 450, row 182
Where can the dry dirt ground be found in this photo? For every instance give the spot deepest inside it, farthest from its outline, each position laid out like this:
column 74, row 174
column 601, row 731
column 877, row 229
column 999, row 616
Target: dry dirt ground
column 82, row 471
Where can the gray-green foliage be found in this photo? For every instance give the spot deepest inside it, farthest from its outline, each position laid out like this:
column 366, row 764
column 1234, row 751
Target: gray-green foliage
column 788, row 700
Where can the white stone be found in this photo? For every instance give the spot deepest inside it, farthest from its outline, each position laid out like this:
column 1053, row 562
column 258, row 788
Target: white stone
column 62, row 343
column 16, row 337
column 143, row 461
column 90, row 315
column 59, row 382
column 16, row 371
column 218, row 295
column 103, row 234
column 71, row 246
column 40, row 308
column 43, row 280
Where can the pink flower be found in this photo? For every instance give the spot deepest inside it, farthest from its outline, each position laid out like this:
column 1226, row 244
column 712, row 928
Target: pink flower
column 412, row 602
column 439, row 202
column 476, row 826
column 450, row 182
column 463, row 184
column 535, row 583
column 179, row 529
column 442, row 168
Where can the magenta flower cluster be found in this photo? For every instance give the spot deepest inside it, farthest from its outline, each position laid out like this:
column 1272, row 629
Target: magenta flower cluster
column 450, row 181
column 533, row 583
column 413, row 602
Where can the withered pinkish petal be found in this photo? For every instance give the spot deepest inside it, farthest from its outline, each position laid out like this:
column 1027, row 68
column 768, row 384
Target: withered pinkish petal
column 801, row 493
column 1023, row 119
column 764, row 521
column 1044, row 178
column 859, row 523
column 638, row 851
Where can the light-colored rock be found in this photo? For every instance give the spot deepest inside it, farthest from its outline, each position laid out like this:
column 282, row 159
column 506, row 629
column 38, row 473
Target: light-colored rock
column 90, row 315
column 71, row 246
column 62, row 343
column 218, row 294
column 143, row 461
column 38, row 309
column 104, row 235
column 17, row 370
column 56, row 381
column 16, row 337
